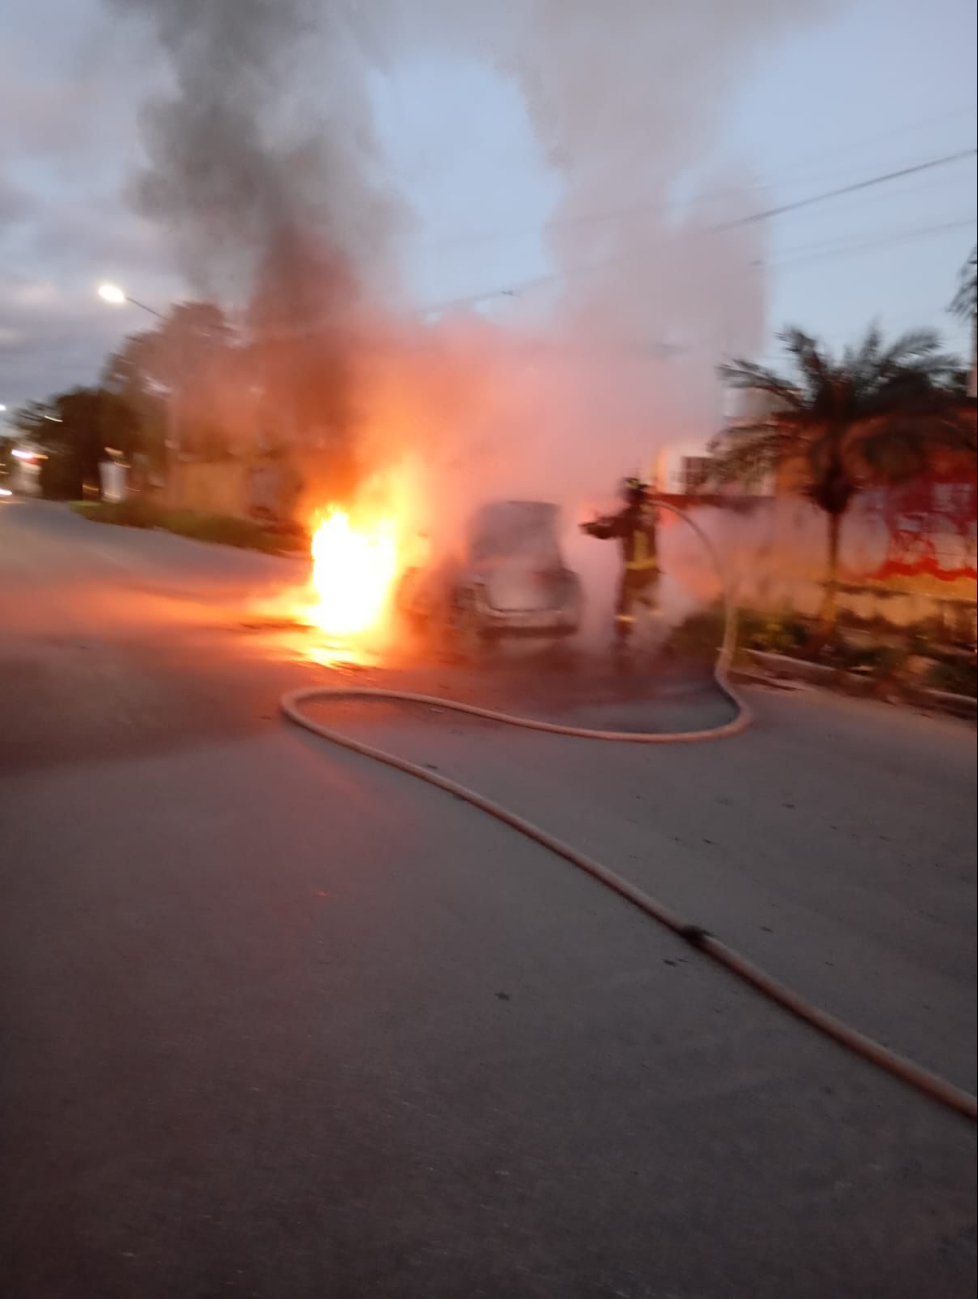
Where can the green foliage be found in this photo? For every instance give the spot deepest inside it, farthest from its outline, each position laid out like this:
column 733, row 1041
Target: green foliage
column 74, row 429
column 700, row 635
column 60, row 478
column 220, row 529
column 956, row 678
column 965, row 302
column 881, row 655
column 184, row 377
column 132, row 513
column 774, row 633
column 7, row 461
column 874, row 413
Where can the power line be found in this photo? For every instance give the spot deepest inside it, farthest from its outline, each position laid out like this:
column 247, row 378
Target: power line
column 934, row 188
column 513, row 290
column 842, row 249
column 851, row 189
column 752, row 218
column 968, row 111
column 560, row 223
column 652, row 208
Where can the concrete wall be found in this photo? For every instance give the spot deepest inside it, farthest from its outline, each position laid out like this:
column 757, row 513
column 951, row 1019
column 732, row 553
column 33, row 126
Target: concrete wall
column 907, row 553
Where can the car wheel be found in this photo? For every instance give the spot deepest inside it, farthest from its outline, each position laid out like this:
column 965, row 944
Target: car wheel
column 468, row 642
column 472, row 641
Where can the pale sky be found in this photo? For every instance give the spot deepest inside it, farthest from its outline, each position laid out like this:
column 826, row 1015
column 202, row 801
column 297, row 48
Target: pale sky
column 881, row 85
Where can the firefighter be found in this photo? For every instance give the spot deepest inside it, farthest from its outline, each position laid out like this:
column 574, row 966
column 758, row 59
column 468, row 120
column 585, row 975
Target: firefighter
column 634, row 528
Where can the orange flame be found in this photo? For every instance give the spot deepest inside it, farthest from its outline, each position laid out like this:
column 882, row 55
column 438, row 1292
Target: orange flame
column 353, row 571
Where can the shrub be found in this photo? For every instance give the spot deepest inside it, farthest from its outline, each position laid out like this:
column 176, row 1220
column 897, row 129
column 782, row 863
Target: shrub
column 220, row 529
column 957, row 678
column 133, row 513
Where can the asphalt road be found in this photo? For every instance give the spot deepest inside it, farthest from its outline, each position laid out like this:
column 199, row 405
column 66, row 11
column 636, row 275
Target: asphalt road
column 278, row 1022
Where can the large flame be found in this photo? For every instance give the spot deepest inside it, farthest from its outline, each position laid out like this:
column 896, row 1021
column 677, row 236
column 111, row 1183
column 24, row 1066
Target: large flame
column 353, row 571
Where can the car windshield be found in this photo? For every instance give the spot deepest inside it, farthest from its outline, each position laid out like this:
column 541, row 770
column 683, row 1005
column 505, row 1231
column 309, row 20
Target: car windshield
column 515, row 530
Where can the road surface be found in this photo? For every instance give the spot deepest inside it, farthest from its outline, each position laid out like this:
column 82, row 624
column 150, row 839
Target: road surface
column 279, row 1022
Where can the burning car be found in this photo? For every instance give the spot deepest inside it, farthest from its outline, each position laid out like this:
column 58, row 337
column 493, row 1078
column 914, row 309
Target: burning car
column 510, row 581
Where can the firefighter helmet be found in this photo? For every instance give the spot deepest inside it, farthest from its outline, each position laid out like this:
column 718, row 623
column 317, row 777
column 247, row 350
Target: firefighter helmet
column 633, row 489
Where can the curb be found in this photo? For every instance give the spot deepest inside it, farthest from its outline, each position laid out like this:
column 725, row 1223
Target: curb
column 853, row 683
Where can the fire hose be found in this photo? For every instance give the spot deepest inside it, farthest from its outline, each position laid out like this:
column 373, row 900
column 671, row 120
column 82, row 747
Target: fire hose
column 907, row 1071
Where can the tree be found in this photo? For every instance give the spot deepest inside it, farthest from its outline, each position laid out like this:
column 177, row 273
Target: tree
column 964, row 305
column 876, row 414
column 130, row 373
column 183, row 378
column 6, row 457
column 75, row 429
column 32, row 419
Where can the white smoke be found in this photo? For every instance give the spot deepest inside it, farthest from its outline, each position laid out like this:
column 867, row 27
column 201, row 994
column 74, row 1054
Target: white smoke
column 627, row 98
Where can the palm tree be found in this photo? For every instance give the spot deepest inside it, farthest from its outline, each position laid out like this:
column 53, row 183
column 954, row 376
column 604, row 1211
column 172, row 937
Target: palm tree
column 965, row 302
column 876, row 414
column 964, row 305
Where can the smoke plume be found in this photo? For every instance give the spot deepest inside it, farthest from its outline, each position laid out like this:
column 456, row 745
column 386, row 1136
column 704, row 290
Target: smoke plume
column 262, row 167
column 263, row 163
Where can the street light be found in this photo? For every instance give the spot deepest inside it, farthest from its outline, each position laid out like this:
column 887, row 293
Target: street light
column 117, row 297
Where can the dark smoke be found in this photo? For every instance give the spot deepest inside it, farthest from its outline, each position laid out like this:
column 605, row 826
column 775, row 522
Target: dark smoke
column 266, row 129
column 263, row 165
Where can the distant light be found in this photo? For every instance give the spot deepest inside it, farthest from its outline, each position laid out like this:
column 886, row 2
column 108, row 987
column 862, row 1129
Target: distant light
column 55, row 419
column 111, row 293
column 28, row 457
column 4, row 491
column 2, row 406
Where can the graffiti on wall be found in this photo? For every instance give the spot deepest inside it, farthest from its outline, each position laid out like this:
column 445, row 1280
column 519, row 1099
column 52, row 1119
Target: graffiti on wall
column 922, row 528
